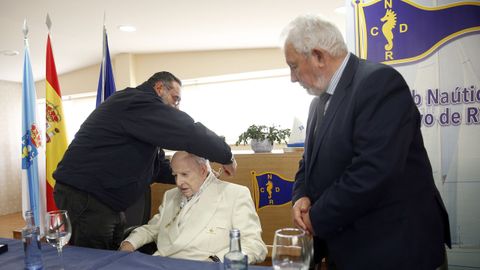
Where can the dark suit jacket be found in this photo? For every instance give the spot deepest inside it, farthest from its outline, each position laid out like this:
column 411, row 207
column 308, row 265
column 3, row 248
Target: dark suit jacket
column 115, row 154
column 368, row 176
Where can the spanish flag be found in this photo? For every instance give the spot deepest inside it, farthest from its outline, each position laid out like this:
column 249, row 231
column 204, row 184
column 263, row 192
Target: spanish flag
column 56, row 136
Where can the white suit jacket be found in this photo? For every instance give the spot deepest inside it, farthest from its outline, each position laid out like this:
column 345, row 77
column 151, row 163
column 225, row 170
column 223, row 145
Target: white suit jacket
column 205, row 230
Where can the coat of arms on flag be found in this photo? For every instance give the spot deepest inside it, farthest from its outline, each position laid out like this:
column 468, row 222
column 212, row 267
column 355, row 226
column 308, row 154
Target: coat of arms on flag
column 271, row 189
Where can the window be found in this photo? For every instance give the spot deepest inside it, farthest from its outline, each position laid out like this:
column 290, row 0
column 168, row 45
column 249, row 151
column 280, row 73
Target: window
column 225, row 104
column 228, row 105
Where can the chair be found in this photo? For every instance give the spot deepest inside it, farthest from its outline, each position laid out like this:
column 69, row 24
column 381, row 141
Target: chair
column 137, row 215
column 139, row 212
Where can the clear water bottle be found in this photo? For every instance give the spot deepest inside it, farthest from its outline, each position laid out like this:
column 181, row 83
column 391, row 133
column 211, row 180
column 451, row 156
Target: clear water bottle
column 31, row 243
column 235, row 259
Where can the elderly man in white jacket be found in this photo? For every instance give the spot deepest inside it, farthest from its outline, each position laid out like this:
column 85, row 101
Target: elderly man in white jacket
column 195, row 218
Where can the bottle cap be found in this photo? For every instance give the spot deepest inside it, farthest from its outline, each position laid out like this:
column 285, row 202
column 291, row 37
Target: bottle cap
column 234, row 233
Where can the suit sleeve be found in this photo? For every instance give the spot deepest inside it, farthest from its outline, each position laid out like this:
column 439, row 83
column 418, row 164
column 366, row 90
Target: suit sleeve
column 384, row 124
column 153, row 122
column 147, row 233
column 299, row 185
column 245, row 219
column 162, row 170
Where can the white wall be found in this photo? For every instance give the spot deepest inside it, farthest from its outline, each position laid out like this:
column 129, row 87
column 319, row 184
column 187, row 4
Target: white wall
column 10, row 147
column 133, row 69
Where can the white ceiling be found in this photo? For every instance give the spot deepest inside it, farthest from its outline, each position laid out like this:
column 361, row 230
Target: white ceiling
column 162, row 26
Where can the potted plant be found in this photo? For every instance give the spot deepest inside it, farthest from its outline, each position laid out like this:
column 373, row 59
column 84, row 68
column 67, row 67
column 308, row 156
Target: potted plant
column 262, row 137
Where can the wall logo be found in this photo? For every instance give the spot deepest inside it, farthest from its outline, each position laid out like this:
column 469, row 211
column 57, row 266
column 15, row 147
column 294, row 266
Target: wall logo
column 271, row 189
column 396, row 31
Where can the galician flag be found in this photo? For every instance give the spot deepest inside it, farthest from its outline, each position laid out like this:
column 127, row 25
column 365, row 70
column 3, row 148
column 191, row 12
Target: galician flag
column 106, row 83
column 31, row 139
column 56, row 136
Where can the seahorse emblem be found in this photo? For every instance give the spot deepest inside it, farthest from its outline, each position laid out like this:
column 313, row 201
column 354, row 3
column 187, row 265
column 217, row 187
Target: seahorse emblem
column 390, row 21
column 269, row 189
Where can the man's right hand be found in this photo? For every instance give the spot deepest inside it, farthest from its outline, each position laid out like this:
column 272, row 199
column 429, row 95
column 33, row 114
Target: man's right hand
column 230, row 169
column 126, row 246
column 300, row 208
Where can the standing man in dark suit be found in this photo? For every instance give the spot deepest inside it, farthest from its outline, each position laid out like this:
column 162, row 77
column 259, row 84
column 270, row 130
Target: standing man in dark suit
column 117, row 152
column 364, row 187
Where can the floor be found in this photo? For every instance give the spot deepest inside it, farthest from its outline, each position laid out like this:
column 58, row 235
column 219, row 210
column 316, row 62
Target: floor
column 10, row 222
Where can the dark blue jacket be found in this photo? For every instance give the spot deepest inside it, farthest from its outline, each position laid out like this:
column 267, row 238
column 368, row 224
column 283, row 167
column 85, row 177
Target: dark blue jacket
column 368, row 176
column 115, row 154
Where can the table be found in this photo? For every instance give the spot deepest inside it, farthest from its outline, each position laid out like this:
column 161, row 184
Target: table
column 87, row 258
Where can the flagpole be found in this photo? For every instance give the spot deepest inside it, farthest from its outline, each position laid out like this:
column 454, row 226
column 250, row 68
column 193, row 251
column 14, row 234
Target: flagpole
column 25, row 32
column 357, row 29
column 106, row 82
column 103, row 57
column 48, row 22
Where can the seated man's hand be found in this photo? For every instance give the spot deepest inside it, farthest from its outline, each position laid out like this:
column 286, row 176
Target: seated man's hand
column 126, row 246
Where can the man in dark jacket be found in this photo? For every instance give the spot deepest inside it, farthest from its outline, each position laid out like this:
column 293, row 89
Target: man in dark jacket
column 364, row 187
column 117, row 152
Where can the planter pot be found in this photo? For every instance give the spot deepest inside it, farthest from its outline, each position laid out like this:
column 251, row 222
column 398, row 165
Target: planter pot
column 264, row 146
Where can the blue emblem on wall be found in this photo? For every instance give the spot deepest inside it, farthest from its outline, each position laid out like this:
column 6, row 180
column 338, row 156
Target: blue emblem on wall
column 271, row 189
column 401, row 31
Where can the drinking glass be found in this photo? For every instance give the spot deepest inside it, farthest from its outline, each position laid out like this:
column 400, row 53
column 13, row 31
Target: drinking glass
column 58, row 231
column 292, row 249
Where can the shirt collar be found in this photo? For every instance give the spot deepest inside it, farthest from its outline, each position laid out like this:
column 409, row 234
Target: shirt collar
column 337, row 75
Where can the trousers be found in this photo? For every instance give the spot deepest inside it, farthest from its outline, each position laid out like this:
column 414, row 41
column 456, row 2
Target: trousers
column 94, row 224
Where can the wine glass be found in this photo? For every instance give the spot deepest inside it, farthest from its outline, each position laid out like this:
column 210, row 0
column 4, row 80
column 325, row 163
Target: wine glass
column 292, row 249
column 58, row 231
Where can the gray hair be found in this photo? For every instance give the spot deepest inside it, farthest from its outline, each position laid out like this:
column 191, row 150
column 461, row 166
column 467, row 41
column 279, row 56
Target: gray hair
column 308, row 32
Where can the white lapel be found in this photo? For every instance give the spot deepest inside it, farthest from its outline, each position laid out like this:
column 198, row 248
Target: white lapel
column 168, row 223
column 201, row 214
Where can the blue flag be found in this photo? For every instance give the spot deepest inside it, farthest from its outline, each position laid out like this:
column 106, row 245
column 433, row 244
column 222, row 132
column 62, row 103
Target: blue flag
column 31, row 139
column 271, row 189
column 106, row 83
column 395, row 31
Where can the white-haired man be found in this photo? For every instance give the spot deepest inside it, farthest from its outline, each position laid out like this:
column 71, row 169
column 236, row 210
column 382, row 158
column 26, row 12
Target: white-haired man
column 364, row 188
column 195, row 218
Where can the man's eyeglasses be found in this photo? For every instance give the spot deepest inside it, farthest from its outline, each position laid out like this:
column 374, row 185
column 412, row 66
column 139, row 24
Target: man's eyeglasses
column 176, row 98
